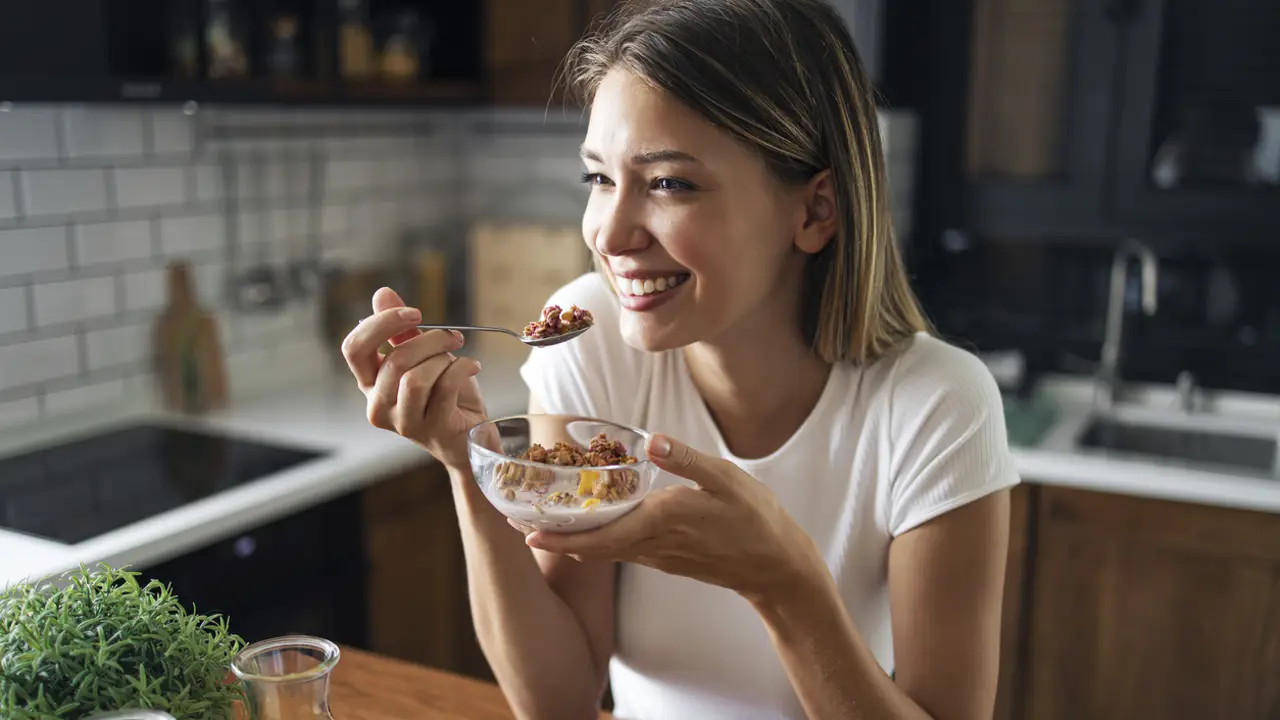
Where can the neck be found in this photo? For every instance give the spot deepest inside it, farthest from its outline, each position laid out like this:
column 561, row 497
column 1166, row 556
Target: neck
column 759, row 385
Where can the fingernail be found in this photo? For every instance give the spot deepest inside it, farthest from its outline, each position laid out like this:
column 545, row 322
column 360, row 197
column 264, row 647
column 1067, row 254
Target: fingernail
column 660, row 446
column 533, row 540
column 478, row 368
column 409, row 314
column 458, row 338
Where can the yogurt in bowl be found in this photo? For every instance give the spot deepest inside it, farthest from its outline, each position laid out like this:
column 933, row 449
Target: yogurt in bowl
column 561, row 473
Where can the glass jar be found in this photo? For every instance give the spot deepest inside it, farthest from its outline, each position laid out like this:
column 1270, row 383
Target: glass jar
column 287, row 678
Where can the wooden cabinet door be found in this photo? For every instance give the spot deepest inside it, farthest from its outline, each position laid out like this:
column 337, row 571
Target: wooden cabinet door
column 418, row 609
column 1012, row 662
column 526, row 43
column 1151, row 609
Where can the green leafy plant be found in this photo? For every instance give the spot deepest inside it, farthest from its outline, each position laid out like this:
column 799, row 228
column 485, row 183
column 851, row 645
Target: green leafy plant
column 105, row 642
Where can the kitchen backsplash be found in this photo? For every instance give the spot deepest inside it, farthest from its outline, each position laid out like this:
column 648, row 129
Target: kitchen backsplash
column 96, row 201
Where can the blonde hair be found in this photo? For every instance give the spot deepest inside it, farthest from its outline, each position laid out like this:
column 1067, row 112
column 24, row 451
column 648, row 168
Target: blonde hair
column 782, row 76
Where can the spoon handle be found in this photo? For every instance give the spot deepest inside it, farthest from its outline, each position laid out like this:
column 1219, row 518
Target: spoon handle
column 480, row 328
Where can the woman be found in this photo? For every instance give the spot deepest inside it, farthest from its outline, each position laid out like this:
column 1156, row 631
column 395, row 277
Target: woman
column 832, row 536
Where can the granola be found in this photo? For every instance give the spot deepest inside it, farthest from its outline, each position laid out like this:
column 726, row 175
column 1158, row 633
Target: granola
column 594, row 486
column 558, row 322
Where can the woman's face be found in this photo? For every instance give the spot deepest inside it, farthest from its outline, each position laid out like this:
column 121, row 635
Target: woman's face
column 695, row 233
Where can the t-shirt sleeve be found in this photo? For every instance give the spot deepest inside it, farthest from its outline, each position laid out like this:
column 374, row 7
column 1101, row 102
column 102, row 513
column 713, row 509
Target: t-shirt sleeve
column 950, row 441
column 595, row 374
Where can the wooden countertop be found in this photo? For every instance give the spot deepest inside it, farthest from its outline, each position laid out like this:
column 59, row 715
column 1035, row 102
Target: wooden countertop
column 366, row 686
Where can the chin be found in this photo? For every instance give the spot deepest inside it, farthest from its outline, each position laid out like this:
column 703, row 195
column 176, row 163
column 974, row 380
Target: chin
column 649, row 336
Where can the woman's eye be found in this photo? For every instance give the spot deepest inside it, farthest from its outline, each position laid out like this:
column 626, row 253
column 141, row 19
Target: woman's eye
column 667, row 184
column 589, row 178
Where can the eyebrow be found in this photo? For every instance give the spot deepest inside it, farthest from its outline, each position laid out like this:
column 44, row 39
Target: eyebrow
column 645, row 158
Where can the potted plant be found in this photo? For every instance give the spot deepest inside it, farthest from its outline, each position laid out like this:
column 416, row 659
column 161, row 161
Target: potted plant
column 103, row 643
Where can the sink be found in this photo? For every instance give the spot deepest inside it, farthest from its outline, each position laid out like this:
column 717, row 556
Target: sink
column 1254, row 453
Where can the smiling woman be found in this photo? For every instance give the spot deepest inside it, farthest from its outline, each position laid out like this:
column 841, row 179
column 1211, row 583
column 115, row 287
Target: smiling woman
column 826, row 537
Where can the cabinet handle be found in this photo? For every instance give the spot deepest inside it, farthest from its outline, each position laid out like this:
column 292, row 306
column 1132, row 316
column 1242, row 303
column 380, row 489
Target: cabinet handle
column 1121, row 11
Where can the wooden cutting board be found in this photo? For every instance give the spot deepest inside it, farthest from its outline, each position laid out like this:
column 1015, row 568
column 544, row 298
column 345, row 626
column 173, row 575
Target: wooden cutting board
column 188, row 349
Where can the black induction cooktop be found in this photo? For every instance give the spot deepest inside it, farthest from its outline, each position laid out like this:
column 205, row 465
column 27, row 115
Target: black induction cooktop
column 85, row 487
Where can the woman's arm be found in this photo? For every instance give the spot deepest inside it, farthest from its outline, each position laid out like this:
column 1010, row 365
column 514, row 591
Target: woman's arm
column 545, row 622
column 946, row 581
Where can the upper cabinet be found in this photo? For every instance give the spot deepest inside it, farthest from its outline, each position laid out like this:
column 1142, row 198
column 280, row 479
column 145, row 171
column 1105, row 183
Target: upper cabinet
column 1084, row 118
column 403, row 52
column 1198, row 131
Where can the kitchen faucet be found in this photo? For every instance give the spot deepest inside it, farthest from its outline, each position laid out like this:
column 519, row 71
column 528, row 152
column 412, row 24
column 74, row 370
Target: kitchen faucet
column 1107, row 379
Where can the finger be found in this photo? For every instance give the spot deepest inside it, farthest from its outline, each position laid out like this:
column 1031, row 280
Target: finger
column 525, row 529
column 711, row 473
column 614, row 541
column 386, row 299
column 408, row 356
column 444, row 396
column 360, row 347
column 403, row 398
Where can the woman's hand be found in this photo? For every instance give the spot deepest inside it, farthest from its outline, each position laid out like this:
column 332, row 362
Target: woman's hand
column 419, row 389
column 729, row 531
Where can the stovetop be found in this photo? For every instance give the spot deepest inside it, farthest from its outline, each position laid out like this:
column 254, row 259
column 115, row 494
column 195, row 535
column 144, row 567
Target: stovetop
column 91, row 485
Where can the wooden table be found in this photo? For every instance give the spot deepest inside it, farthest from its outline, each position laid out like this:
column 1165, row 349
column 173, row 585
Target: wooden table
column 366, row 686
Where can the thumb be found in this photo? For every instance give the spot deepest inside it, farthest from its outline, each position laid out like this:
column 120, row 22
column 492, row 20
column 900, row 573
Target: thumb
column 710, row 473
column 386, row 299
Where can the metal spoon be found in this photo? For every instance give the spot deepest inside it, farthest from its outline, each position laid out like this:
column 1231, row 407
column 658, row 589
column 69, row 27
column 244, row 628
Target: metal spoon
column 531, row 342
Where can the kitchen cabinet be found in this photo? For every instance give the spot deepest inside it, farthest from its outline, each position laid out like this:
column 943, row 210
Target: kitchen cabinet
column 417, row 587
column 290, row 52
column 1066, row 119
column 1134, row 607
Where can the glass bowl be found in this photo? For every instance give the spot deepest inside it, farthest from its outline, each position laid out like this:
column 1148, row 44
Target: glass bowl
column 558, row 498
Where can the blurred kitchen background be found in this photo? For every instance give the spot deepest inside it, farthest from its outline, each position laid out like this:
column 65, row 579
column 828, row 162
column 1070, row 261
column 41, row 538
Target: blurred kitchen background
column 1053, row 163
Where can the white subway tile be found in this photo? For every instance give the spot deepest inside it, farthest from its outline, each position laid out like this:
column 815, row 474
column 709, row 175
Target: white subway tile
column 112, row 132
column 211, row 283
column 172, row 131
column 98, row 243
column 8, row 201
column 13, row 309
column 334, row 218
column 185, row 235
column 74, row 300
column 148, row 187
column 53, row 192
column 111, row 347
column 208, row 183
column 288, row 224
column 85, row 396
column 29, row 134
column 33, row 250
column 144, row 289
column 19, row 412
column 36, row 361
column 350, row 174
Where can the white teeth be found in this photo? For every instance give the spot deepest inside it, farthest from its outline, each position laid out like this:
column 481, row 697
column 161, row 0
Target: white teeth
column 634, row 286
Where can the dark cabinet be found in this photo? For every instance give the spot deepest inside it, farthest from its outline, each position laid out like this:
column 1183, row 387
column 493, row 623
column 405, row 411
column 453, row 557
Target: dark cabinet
column 1089, row 120
column 1198, row 129
column 293, row 52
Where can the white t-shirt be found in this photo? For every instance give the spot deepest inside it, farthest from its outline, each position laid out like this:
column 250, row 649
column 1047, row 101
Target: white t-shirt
column 886, row 448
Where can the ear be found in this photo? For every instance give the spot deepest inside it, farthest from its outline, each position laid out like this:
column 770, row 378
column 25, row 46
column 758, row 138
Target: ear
column 821, row 219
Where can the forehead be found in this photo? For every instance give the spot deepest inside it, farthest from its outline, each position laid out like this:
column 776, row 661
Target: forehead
column 629, row 115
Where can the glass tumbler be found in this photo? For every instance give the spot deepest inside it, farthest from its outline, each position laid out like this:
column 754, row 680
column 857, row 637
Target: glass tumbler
column 287, row 678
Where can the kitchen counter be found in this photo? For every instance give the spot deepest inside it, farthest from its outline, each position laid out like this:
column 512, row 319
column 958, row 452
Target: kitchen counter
column 371, row 687
column 326, row 412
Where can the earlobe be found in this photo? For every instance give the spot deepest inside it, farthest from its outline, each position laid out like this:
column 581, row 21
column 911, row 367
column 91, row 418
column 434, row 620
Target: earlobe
column 821, row 216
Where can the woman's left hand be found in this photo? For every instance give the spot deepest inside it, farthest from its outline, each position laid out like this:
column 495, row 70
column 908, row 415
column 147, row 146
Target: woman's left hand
column 729, row 531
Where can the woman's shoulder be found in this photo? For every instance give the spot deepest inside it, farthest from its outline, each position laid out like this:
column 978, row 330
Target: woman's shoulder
column 926, row 373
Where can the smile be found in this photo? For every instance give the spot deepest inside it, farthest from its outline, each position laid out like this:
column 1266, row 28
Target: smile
column 636, row 287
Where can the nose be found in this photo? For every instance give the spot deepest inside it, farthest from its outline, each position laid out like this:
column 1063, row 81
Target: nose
column 616, row 226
